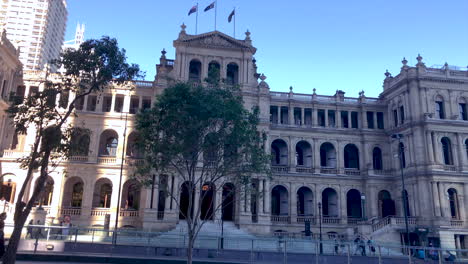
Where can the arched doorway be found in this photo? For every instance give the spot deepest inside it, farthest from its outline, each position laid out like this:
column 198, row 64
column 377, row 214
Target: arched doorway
column 102, row 193
column 73, row 193
column 195, row 71
column 353, row 204
column 48, row 191
column 131, row 195
column 304, row 202
column 386, row 204
column 279, row 152
column 329, row 203
column 232, row 74
column 327, row 155
column 279, row 201
column 303, row 154
column 207, row 196
column 8, row 188
column 228, row 210
column 187, row 189
column 351, row 157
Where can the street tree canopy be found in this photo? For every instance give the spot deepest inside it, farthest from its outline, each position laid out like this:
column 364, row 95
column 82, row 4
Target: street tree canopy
column 204, row 137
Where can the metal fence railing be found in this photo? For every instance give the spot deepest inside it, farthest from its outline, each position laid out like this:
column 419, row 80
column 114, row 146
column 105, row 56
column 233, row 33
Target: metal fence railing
column 247, row 248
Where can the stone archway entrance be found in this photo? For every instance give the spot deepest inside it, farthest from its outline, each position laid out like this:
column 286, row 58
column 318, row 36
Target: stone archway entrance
column 228, row 210
column 207, row 201
column 187, row 188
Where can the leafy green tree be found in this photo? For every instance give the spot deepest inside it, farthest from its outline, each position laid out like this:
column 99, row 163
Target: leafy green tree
column 204, row 137
column 95, row 65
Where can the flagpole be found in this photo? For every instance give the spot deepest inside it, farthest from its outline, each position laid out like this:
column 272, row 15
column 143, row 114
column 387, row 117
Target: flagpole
column 235, row 22
column 196, row 22
column 216, row 11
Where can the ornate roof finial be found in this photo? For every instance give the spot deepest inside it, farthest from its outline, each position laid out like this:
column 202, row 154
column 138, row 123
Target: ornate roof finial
column 404, row 61
column 419, row 58
column 163, row 52
column 446, row 65
column 183, row 27
column 263, row 77
column 387, row 74
column 247, row 35
column 314, row 91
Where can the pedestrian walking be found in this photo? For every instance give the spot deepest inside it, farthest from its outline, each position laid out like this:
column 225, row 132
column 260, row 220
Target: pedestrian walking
column 371, row 246
column 29, row 229
column 336, row 246
column 357, row 242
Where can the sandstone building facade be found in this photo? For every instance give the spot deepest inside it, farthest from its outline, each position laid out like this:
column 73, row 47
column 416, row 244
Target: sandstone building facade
column 332, row 156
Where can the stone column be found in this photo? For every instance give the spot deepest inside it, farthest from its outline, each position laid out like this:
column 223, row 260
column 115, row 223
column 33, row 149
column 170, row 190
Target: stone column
column 140, row 102
column 437, row 156
column 113, row 103
column 316, row 155
column 292, row 155
column 339, row 158
column 465, row 200
column 435, row 194
column 342, row 204
column 349, row 118
column 196, row 201
column 442, row 202
column 314, row 114
column 293, row 202
column 85, row 103
column 261, row 198
column 326, row 117
column 267, row 195
column 278, row 110
column 461, row 153
column 218, row 208
column 363, row 118
column 430, row 148
column 374, row 115
column 424, row 198
column 302, row 116
column 371, row 201
column 291, row 115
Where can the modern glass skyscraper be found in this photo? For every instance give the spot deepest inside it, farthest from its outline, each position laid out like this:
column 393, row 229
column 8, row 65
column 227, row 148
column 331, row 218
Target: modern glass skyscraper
column 37, row 27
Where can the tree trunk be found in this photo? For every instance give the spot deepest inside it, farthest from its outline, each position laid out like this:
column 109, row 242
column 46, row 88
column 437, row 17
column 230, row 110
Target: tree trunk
column 10, row 255
column 190, row 250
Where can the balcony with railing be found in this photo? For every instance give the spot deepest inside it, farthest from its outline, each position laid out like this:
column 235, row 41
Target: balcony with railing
column 352, row 171
column 306, row 218
column 456, row 223
column 129, row 213
column 393, row 221
column 69, row 211
column 280, row 219
column 279, row 168
column 100, row 211
column 304, row 169
column 328, row 170
column 331, row 220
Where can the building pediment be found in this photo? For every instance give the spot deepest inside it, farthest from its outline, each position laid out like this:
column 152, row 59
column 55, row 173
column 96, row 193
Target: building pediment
column 214, row 40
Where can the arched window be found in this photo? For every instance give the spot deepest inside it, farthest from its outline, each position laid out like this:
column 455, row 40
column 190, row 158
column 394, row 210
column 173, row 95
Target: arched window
column 329, row 203
column 303, row 154
column 8, row 188
column 386, row 204
column 195, row 71
column 327, row 155
column 207, row 203
column 447, row 151
column 108, row 143
column 279, row 201
column 439, row 108
column 353, row 204
column 466, row 147
column 279, row 153
column 377, row 159
column 305, row 203
column 132, row 148
column 131, row 195
column 214, row 72
column 232, row 74
column 401, row 155
column 80, row 142
column 187, row 190
column 454, row 206
column 47, row 194
column 102, row 193
column 351, row 157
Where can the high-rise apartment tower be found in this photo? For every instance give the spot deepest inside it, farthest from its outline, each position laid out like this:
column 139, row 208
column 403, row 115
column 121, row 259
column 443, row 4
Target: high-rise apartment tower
column 37, row 27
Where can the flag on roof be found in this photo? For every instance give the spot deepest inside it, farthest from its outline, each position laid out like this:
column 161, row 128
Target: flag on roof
column 193, row 10
column 231, row 15
column 211, row 6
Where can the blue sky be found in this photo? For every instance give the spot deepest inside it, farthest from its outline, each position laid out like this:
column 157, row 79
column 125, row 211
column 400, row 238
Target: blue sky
column 328, row 45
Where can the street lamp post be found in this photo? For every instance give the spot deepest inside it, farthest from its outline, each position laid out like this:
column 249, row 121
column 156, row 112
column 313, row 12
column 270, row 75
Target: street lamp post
column 120, row 181
column 320, row 227
column 403, row 190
